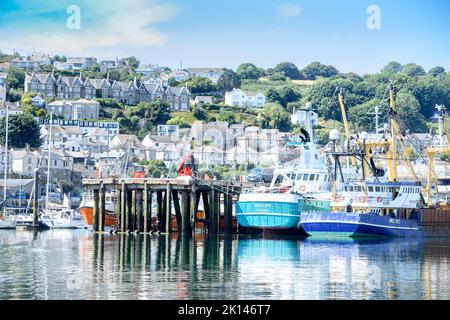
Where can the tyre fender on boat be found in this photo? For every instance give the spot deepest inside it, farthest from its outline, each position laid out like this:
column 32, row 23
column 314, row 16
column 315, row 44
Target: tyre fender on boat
column 379, row 199
column 302, row 188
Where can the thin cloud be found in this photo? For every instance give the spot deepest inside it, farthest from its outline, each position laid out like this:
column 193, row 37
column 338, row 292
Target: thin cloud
column 289, row 10
column 119, row 24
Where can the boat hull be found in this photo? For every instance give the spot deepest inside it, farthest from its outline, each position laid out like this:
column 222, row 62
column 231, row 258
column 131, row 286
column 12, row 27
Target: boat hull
column 27, row 223
column 5, row 224
column 329, row 224
column 266, row 212
column 87, row 213
column 274, row 213
column 63, row 224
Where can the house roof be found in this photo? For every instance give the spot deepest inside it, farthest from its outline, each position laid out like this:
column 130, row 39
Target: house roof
column 178, row 90
column 86, row 101
column 204, row 98
column 164, row 139
column 96, row 83
column 205, row 70
column 251, row 93
column 127, row 139
column 20, row 153
column 42, row 77
column 16, row 183
column 151, row 88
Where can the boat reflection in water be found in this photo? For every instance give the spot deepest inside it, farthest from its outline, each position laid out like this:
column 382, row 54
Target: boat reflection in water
column 66, row 264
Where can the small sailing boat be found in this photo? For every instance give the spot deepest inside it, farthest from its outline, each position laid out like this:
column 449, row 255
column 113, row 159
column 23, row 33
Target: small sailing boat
column 61, row 216
column 56, row 216
column 6, row 221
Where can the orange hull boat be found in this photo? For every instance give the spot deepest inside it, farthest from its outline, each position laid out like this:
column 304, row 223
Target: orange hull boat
column 88, row 217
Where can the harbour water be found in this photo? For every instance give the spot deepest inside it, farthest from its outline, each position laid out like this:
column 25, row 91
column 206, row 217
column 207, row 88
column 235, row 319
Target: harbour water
column 60, row 264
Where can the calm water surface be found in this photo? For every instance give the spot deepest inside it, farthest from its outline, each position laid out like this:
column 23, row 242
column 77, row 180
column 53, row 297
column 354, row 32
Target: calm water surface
column 64, row 264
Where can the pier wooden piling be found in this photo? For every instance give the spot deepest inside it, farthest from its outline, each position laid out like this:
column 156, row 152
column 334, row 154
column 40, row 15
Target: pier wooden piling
column 147, row 207
column 178, row 198
column 101, row 219
column 123, row 203
column 139, row 213
column 168, row 213
column 96, row 209
column 35, row 198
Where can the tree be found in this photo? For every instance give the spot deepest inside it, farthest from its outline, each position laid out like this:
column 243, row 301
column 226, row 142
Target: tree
column 272, row 95
column 23, row 130
column 156, row 168
column 413, row 70
column 274, row 116
column 67, row 186
column 316, row 69
column 392, row 67
column 227, row 116
column 228, row 81
column 289, row 70
column 277, row 76
column 282, row 95
column 180, row 121
column 408, row 110
column 436, row 71
column 157, row 111
column 16, row 78
column 248, row 71
column 360, row 115
column 200, row 85
column 429, row 91
column 132, row 62
column 109, row 103
column 199, row 113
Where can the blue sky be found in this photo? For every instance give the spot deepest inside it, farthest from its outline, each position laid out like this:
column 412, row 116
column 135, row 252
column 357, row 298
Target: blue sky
column 226, row 33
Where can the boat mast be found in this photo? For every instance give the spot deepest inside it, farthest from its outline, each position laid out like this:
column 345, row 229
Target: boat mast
column 392, row 158
column 5, row 178
column 48, row 163
column 344, row 121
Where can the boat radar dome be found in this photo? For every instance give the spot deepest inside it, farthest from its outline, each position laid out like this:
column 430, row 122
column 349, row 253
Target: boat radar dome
column 334, row 135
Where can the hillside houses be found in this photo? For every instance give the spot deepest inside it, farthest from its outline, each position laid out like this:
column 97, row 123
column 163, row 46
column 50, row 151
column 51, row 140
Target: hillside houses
column 75, row 64
column 124, row 92
column 31, row 62
column 212, row 74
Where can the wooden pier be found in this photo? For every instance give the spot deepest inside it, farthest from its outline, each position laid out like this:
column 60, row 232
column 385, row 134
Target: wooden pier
column 179, row 196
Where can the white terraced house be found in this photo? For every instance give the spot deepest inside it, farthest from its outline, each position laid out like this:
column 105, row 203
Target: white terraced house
column 240, row 98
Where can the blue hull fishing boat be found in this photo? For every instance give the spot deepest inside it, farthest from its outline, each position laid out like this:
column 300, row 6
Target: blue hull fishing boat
column 379, row 205
column 355, row 225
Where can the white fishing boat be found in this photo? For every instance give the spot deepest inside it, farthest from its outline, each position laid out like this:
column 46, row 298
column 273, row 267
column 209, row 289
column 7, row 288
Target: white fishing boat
column 305, row 186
